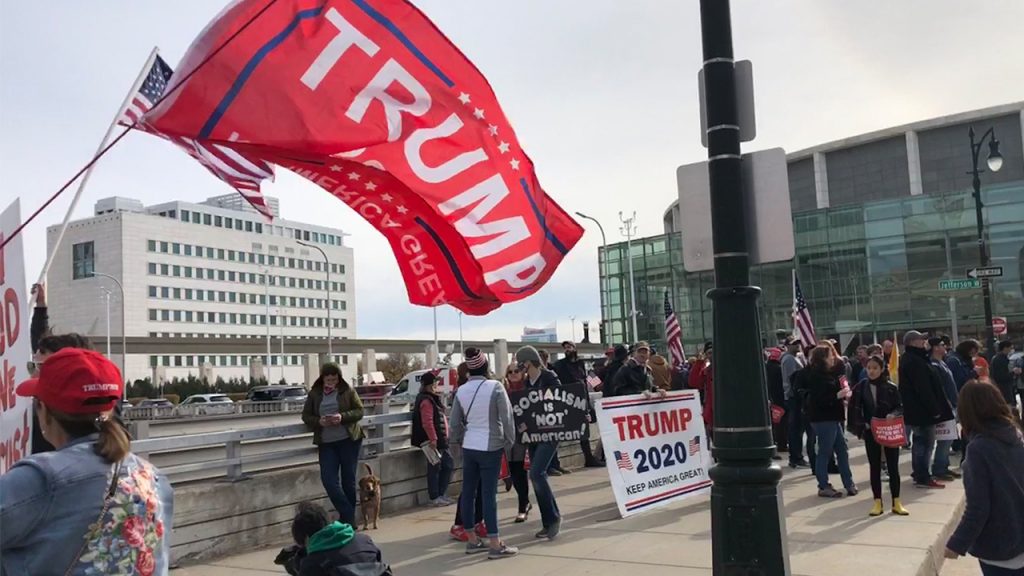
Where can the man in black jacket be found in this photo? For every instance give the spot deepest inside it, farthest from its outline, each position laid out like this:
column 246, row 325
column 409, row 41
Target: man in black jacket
column 924, row 405
column 635, row 377
column 329, row 549
column 1003, row 374
column 570, row 370
column 538, row 377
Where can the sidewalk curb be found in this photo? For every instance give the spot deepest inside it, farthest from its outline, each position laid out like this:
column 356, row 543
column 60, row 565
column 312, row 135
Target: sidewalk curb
column 932, row 564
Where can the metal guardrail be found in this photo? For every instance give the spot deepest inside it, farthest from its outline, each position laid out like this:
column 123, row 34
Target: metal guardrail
column 212, row 409
column 257, row 449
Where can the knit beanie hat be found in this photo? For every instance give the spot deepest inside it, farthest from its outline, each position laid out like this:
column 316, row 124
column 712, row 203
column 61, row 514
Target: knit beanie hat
column 528, row 354
column 475, row 359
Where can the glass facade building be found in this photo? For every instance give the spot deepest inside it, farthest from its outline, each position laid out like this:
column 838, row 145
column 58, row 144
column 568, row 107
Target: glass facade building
column 870, row 262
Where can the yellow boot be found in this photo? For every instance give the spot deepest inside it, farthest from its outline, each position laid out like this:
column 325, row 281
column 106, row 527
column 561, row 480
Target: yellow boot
column 876, row 510
column 898, row 509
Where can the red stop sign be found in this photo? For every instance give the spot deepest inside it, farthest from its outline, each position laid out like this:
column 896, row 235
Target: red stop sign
column 999, row 325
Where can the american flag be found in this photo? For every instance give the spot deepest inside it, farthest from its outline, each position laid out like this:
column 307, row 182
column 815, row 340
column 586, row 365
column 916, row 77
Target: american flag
column 802, row 316
column 149, row 93
column 694, row 445
column 593, row 381
column 239, row 171
column 673, row 335
column 622, row 461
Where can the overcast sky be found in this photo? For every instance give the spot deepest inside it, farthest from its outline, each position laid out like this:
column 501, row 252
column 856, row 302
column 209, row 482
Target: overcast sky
column 602, row 94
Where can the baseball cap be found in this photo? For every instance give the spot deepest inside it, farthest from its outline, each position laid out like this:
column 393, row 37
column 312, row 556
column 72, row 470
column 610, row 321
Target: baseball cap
column 641, row 345
column 935, row 341
column 76, row 381
column 774, row 354
column 913, row 336
column 793, row 340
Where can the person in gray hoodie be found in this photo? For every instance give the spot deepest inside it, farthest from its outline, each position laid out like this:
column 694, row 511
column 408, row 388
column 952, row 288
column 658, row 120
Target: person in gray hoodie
column 992, row 527
column 482, row 424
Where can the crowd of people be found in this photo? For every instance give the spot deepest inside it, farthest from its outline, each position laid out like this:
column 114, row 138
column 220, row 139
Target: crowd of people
column 83, row 503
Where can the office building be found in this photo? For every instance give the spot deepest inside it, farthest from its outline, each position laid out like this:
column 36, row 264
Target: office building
column 879, row 221
column 202, row 270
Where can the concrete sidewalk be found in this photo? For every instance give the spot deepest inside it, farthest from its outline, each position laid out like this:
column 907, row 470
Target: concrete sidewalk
column 826, row 537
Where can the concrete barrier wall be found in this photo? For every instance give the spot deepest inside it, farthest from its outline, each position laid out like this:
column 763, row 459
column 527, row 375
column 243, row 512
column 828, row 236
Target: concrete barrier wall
column 213, row 519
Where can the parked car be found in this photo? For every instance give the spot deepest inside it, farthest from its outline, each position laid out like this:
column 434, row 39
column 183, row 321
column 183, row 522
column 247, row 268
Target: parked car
column 200, row 404
column 277, row 392
column 155, row 403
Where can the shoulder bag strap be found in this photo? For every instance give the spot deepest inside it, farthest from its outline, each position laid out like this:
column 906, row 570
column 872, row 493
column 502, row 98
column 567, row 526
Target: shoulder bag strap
column 108, row 497
column 465, row 416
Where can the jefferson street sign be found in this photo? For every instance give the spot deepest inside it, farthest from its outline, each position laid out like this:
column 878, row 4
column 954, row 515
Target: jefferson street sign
column 988, row 272
column 959, row 284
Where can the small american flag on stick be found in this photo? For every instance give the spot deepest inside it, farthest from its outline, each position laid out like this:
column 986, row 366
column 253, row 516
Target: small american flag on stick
column 242, row 173
column 674, row 335
column 802, row 316
column 622, row 461
column 694, row 445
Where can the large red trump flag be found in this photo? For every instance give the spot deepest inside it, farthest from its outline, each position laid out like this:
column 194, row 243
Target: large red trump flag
column 370, row 101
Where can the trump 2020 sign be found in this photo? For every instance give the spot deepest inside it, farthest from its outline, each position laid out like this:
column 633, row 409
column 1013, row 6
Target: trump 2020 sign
column 655, row 448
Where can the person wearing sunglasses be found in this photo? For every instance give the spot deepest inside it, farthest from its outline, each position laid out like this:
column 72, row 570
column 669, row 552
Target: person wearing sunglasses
column 515, row 381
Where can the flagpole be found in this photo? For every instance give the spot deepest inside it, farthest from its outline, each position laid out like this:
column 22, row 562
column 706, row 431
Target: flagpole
column 85, row 177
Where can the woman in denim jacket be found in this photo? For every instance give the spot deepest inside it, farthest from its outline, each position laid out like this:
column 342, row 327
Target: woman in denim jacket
column 91, row 506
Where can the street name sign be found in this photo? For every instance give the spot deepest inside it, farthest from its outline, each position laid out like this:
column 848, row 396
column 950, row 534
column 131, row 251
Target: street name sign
column 959, row 284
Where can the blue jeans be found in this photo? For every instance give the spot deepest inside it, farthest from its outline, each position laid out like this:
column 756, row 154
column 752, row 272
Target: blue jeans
column 440, row 475
column 798, row 427
column 831, row 440
column 940, row 466
column 480, row 471
column 338, row 462
column 541, row 456
column 921, row 452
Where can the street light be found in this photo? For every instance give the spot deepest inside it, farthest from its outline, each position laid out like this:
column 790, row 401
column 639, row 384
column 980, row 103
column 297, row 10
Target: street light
column 124, row 340
column 266, row 300
column 995, row 162
column 629, row 230
column 606, row 319
column 748, row 534
column 327, row 268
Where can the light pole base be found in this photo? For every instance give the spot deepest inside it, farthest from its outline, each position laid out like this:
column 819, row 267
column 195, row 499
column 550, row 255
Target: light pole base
column 747, row 523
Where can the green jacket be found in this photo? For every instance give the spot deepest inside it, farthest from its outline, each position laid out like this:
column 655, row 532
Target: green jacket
column 349, row 406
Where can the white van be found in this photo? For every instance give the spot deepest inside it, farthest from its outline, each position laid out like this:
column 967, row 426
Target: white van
column 409, row 386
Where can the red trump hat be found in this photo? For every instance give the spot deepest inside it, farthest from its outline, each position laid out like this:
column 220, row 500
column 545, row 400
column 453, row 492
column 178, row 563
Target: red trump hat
column 76, row 381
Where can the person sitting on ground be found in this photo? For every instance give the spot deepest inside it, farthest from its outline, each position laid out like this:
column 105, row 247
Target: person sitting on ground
column 992, row 527
column 325, row 548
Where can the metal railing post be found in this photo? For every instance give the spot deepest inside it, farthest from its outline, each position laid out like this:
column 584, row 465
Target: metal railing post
column 234, row 452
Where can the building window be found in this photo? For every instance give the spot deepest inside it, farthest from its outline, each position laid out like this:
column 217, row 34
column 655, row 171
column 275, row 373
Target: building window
column 188, row 249
column 151, row 245
column 165, row 292
column 83, row 260
column 152, row 315
column 218, row 221
column 188, row 271
column 165, row 315
column 248, row 226
column 206, row 219
column 184, row 216
column 188, row 293
column 152, row 291
column 152, row 267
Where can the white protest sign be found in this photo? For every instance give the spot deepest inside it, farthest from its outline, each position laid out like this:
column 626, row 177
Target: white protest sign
column 15, row 348
column 947, row 430
column 656, row 449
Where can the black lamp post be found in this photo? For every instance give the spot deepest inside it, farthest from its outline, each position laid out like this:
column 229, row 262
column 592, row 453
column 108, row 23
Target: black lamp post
column 748, row 535
column 995, row 162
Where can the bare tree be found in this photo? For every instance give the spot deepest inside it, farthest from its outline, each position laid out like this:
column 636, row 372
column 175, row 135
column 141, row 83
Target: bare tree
column 398, row 364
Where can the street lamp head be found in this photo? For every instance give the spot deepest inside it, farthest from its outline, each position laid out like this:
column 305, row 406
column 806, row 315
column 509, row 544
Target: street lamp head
column 995, row 159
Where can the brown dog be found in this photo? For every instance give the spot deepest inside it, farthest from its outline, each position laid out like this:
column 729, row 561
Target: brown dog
column 369, row 497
